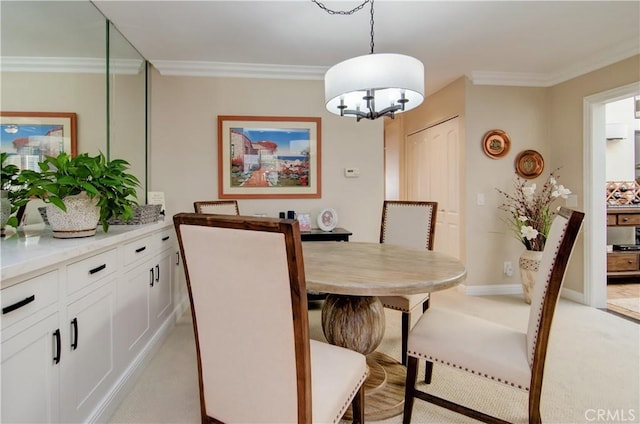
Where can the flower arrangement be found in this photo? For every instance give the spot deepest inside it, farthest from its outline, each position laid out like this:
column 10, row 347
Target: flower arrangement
column 530, row 213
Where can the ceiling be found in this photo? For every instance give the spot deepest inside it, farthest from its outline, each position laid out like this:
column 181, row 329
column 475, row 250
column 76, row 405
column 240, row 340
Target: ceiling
column 535, row 43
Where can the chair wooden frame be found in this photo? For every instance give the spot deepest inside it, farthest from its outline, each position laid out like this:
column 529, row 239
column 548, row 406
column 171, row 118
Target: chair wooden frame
column 563, row 254
column 201, row 205
column 297, row 284
column 406, row 316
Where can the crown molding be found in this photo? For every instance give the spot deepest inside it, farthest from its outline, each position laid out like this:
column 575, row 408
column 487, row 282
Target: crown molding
column 608, row 57
column 238, row 70
column 81, row 65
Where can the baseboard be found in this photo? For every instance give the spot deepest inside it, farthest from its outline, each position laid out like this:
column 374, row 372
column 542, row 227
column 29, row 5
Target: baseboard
column 508, row 289
column 574, row 296
column 491, row 289
column 131, row 374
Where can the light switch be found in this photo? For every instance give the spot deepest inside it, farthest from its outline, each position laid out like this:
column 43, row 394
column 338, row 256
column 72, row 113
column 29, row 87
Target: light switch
column 480, row 199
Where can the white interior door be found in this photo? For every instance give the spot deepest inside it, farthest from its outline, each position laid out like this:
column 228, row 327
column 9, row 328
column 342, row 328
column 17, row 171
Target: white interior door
column 433, row 175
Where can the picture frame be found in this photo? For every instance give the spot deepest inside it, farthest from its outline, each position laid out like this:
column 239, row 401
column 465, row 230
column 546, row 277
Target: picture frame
column 269, row 157
column 327, row 219
column 304, row 220
column 27, row 137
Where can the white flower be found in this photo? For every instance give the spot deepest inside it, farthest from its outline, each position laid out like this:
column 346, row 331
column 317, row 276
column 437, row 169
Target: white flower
column 523, row 218
column 529, row 191
column 561, row 191
column 529, row 232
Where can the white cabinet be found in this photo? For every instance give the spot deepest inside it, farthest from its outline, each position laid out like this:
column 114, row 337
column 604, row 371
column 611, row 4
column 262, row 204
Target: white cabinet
column 79, row 317
column 31, row 346
column 30, row 373
column 163, row 276
column 88, row 366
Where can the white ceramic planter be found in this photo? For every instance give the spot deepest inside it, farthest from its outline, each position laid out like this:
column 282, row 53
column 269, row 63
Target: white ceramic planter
column 5, row 209
column 80, row 219
column 529, row 263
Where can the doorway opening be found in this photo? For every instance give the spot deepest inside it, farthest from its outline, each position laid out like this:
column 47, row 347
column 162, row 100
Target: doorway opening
column 594, row 179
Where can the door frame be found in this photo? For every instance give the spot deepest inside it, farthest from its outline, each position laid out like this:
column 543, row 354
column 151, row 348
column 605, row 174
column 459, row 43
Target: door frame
column 594, row 178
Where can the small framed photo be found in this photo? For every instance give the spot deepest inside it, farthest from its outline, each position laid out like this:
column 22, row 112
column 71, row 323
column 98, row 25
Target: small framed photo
column 304, row 220
column 327, row 219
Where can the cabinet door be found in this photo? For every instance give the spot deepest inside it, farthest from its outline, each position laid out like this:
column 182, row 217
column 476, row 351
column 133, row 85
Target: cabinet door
column 161, row 290
column 88, row 362
column 30, row 374
column 134, row 291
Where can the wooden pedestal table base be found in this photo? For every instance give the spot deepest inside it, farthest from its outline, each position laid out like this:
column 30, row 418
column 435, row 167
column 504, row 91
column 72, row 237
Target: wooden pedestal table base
column 357, row 323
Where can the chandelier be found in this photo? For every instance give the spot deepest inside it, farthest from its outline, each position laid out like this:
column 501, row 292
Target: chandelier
column 375, row 84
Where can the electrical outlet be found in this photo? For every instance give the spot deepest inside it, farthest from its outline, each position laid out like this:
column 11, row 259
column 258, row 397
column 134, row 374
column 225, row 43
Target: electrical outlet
column 508, row 269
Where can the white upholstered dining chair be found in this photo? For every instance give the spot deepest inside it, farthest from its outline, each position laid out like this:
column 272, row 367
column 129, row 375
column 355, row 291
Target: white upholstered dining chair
column 220, row 207
column 256, row 363
column 410, row 224
column 491, row 350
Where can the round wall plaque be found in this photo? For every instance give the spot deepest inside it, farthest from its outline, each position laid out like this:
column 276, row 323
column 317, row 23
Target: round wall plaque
column 529, row 164
column 496, row 143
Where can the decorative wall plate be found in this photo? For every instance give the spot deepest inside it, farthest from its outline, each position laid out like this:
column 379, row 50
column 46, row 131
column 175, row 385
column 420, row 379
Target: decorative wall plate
column 327, row 219
column 496, row 144
column 529, row 164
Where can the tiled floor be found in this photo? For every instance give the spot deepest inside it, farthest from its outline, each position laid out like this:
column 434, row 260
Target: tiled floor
column 623, row 290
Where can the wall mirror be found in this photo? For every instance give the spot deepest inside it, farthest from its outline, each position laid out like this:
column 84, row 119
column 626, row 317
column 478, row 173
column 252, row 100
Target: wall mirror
column 127, row 106
column 64, row 56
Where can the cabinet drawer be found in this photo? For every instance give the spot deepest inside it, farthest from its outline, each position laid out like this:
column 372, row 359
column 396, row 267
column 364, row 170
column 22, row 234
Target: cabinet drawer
column 82, row 273
column 622, row 262
column 611, row 220
column 24, row 299
column 629, row 219
column 138, row 249
column 166, row 239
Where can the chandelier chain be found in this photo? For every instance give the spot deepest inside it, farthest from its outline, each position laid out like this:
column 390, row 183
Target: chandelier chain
column 371, row 26
column 350, row 12
column 341, row 12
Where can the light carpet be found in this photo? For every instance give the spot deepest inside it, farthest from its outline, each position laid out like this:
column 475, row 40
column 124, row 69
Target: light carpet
column 592, row 373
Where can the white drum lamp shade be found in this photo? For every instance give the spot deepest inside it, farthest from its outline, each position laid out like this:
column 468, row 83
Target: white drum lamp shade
column 395, row 83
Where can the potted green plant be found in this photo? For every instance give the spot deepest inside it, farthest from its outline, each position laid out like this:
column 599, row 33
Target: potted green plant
column 91, row 185
column 12, row 193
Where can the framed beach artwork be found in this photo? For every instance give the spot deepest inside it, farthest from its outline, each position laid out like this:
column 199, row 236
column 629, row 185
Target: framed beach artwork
column 27, row 137
column 269, row 157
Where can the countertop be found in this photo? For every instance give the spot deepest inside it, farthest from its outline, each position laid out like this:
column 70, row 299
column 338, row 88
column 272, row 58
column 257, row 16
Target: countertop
column 34, row 247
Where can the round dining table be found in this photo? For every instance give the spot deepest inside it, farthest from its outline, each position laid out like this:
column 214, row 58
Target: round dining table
column 354, row 274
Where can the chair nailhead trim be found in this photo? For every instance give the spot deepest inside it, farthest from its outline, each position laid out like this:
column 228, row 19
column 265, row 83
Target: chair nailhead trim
column 532, row 350
column 353, row 394
column 395, row 308
column 432, row 359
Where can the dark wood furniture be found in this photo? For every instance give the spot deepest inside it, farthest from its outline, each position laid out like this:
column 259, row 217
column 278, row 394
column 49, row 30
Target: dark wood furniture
column 411, row 224
column 256, row 364
column 623, row 264
column 221, row 207
column 316, row 234
column 485, row 348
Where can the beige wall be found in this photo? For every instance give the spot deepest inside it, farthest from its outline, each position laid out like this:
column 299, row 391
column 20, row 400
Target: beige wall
column 549, row 120
column 566, row 127
column 183, row 146
column 521, row 112
column 84, row 94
